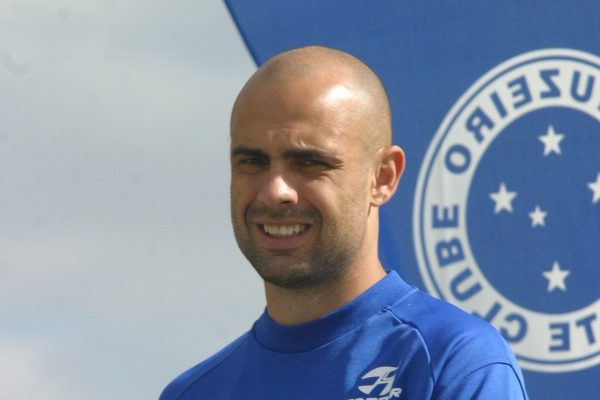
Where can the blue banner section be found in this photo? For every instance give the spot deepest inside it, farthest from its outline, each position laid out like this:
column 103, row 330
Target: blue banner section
column 497, row 105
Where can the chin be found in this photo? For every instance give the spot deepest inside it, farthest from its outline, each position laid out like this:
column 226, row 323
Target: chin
column 297, row 277
column 288, row 279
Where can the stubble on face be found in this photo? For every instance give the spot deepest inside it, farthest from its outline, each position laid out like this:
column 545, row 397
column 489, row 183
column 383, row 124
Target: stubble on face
column 347, row 100
column 336, row 243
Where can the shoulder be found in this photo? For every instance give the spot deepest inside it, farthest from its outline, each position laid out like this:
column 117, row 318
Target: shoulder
column 180, row 384
column 458, row 344
column 440, row 324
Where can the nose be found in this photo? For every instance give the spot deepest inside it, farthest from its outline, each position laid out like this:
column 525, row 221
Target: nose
column 276, row 189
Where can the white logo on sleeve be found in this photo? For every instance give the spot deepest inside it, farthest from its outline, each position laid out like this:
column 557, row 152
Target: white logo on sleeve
column 384, row 379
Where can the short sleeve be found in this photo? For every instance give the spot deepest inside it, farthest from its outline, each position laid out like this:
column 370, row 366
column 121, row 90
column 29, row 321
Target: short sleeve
column 498, row 381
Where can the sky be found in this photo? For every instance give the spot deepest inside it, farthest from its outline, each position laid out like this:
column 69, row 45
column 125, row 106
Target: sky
column 118, row 265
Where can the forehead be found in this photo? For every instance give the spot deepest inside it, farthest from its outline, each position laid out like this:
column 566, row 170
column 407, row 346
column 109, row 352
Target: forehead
column 282, row 143
column 297, row 115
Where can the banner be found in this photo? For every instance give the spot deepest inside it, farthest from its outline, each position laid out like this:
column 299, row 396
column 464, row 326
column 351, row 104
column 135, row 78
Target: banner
column 497, row 106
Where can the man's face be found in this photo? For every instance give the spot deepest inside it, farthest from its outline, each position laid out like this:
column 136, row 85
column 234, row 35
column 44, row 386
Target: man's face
column 299, row 182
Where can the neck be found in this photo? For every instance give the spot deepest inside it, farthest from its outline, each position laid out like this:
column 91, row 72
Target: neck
column 301, row 305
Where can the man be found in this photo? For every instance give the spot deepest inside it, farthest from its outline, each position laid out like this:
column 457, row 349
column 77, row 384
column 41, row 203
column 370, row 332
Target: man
column 311, row 163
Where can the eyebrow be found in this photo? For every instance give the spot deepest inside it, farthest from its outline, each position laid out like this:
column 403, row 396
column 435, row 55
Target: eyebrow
column 305, row 154
column 248, row 151
column 300, row 154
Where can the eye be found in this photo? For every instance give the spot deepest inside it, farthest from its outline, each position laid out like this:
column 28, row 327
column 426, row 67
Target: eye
column 252, row 161
column 313, row 166
column 311, row 163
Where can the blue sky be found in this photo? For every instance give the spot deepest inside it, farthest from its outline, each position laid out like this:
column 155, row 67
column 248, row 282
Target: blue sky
column 118, row 267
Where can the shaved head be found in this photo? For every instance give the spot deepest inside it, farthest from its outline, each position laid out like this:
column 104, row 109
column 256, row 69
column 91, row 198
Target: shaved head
column 311, row 162
column 325, row 69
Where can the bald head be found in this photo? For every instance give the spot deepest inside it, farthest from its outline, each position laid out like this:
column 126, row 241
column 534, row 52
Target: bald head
column 311, row 153
column 331, row 74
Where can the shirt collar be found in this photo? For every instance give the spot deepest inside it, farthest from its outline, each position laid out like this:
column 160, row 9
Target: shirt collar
column 308, row 336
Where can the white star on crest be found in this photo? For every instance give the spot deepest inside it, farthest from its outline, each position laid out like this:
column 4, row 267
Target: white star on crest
column 503, row 199
column 595, row 187
column 538, row 217
column 551, row 141
column 556, row 277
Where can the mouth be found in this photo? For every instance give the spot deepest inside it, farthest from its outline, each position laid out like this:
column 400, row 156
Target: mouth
column 283, row 231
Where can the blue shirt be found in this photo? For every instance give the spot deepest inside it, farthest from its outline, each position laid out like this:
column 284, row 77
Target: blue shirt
column 391, row 342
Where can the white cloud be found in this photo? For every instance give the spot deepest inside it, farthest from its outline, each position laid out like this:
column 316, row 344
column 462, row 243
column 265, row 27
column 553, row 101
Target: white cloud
column 114, row 196
column 23, row 375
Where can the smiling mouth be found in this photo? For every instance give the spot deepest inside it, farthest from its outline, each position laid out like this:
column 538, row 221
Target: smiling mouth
column 284, row 230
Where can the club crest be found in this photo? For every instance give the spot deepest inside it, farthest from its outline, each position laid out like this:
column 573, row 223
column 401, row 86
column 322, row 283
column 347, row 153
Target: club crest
column 507, row 207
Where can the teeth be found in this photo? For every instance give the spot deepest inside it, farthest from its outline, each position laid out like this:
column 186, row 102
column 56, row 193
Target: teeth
column 282, row 231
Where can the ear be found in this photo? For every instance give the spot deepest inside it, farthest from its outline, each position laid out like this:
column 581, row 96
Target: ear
column 387, row 175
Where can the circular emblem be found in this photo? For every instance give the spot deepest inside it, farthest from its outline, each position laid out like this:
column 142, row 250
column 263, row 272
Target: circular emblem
column 507, row 207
